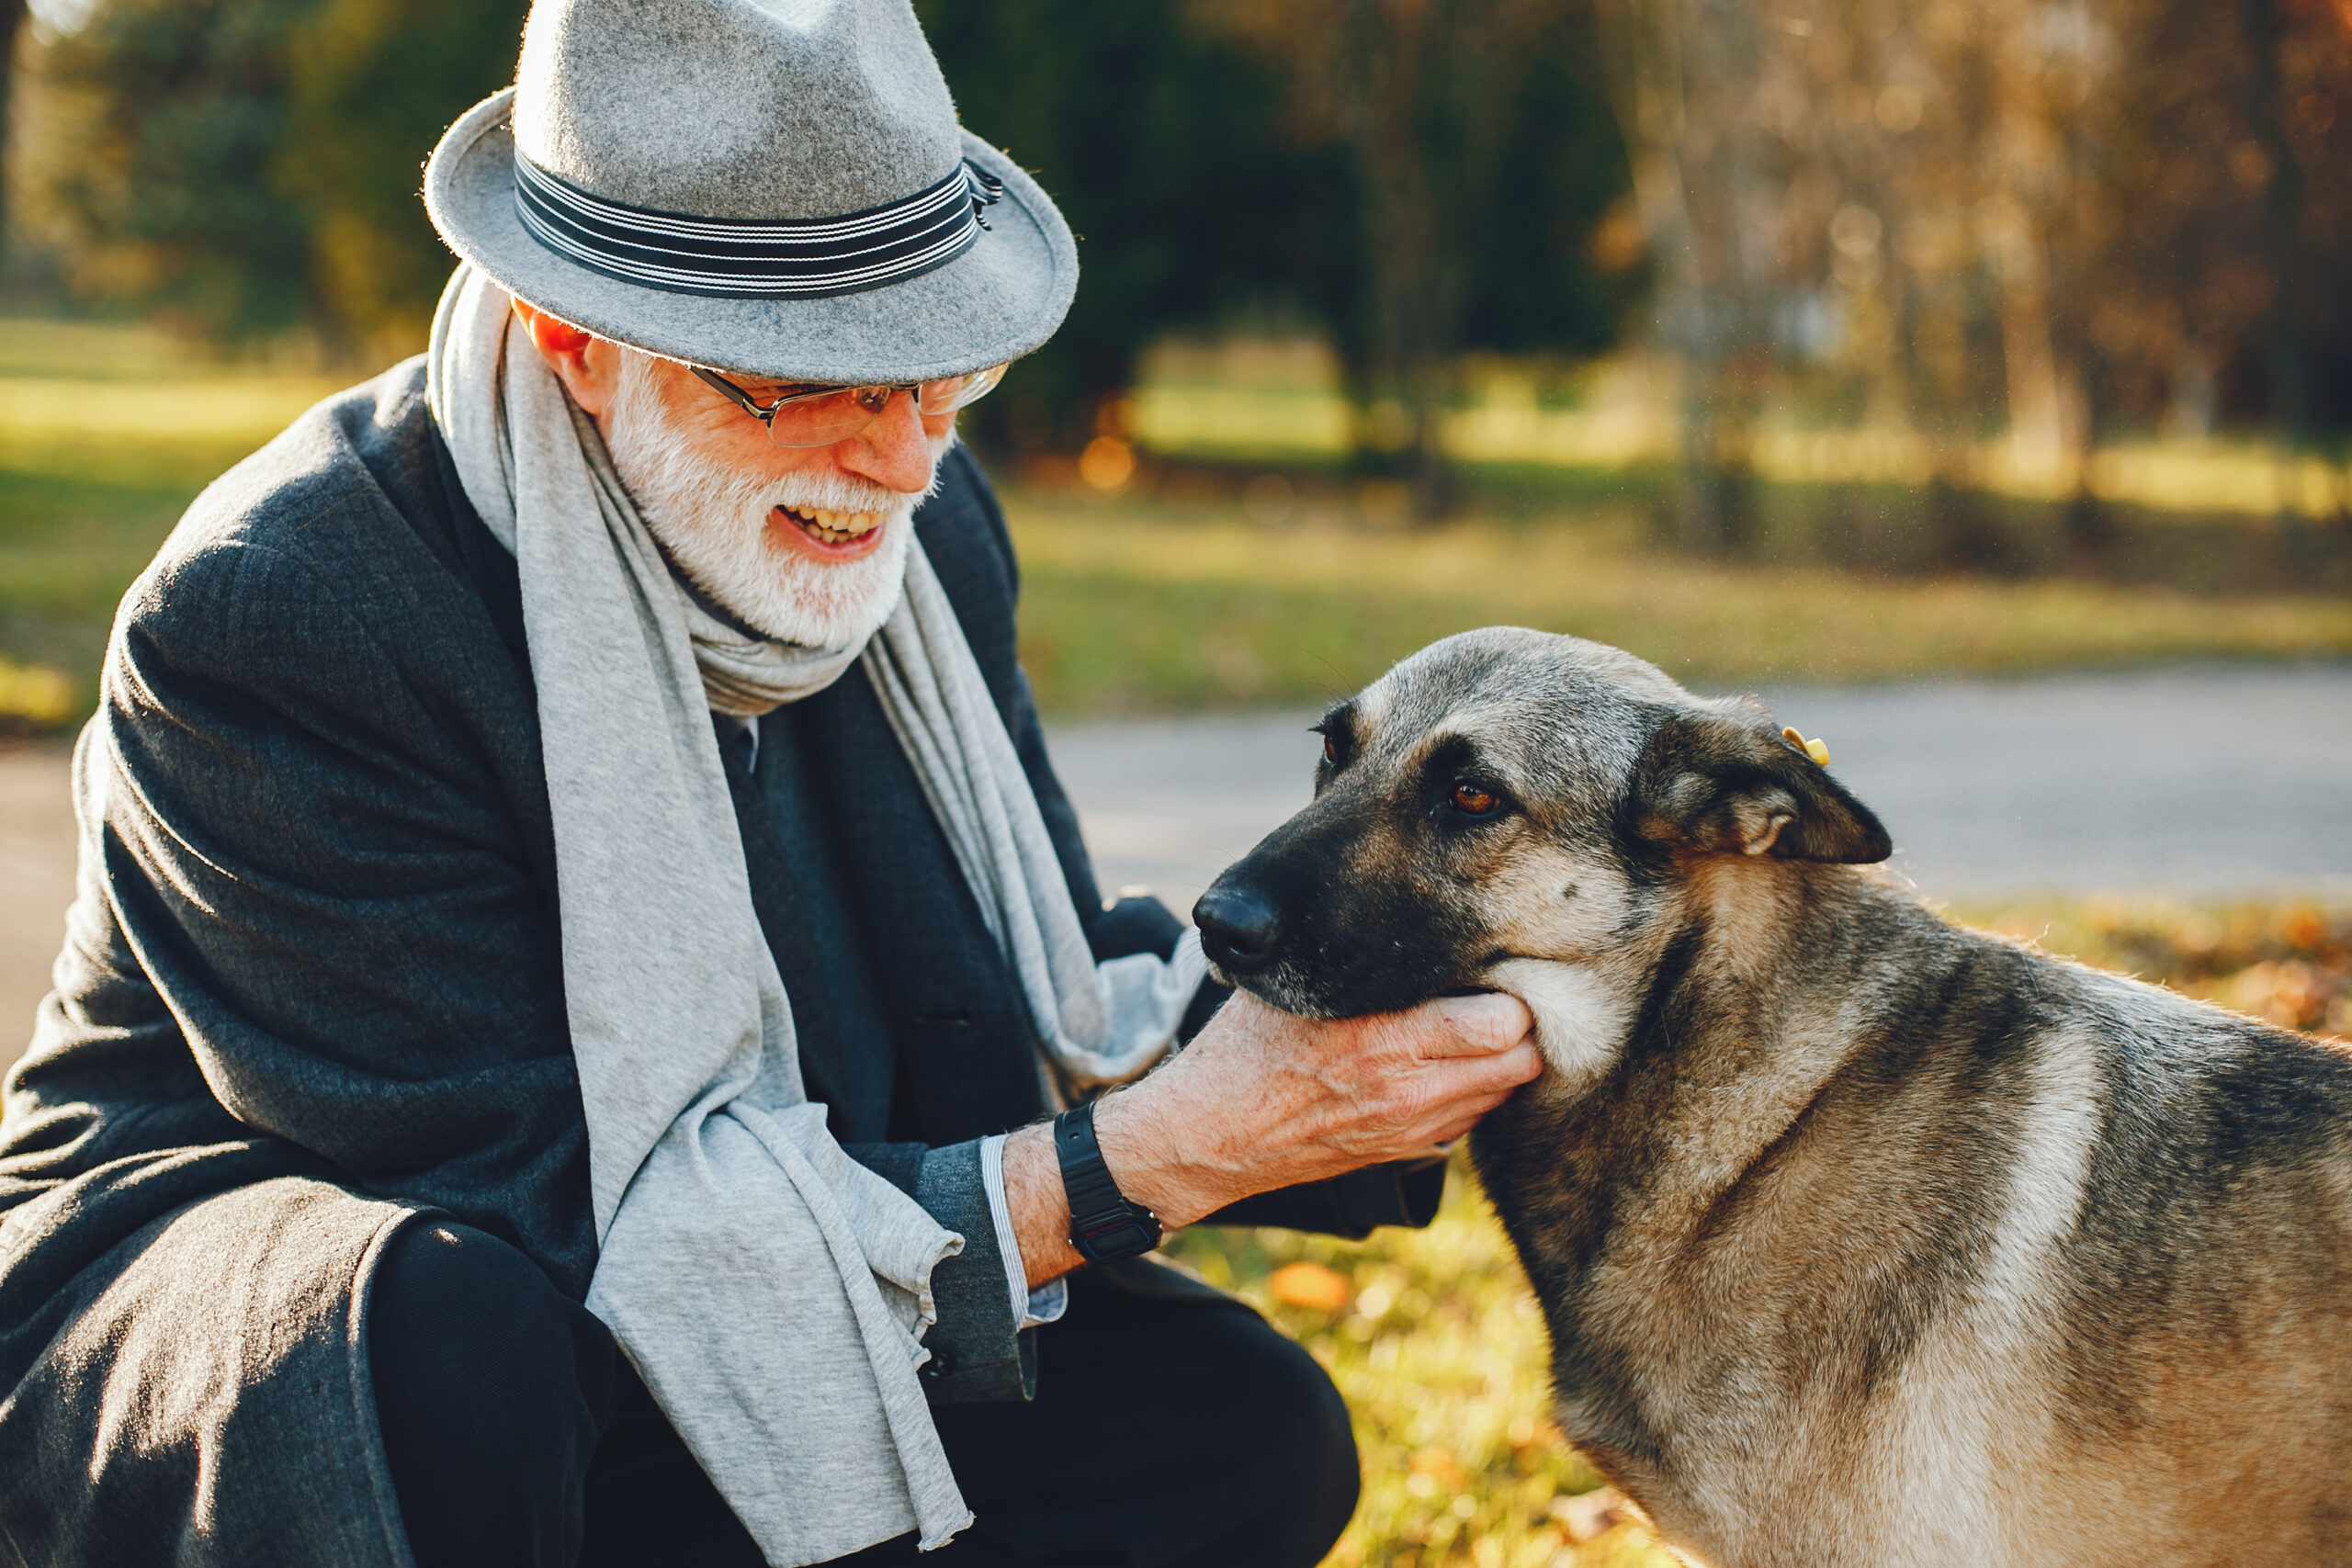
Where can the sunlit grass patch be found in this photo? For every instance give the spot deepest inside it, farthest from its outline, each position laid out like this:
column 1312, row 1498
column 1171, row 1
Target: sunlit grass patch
column 1136, row 605
column 1625, row 415
column 1436, row 1342
column 35, row 697
column 2286, row 964
column 106, row 432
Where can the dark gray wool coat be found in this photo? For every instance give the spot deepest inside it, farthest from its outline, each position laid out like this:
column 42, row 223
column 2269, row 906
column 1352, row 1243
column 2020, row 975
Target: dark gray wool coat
column 310, row 988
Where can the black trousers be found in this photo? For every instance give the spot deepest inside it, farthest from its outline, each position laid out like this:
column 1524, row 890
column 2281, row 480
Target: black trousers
column 1173, row 1427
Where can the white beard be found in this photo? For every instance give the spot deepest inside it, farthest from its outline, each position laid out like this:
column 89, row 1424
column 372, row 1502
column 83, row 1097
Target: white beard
column 713, row 521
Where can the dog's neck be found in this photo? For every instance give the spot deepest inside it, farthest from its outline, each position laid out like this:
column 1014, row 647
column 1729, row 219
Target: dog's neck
column 1608, row 1176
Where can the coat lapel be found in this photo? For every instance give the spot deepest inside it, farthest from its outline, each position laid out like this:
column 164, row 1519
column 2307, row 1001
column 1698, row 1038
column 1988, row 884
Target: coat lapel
column 961, row 1030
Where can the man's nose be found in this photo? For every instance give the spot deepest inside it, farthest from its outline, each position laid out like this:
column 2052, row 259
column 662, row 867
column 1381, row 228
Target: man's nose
column 1239, row 927
column 892, row 450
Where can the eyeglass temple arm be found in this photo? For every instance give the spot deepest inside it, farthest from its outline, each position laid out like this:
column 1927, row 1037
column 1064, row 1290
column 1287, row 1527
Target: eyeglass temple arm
column 732, row 392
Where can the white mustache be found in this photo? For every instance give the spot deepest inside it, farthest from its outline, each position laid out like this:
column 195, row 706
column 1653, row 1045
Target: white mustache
column 842, row 492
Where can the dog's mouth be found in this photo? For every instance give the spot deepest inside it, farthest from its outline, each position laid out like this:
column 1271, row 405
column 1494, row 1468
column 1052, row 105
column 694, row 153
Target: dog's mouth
column 829, row 527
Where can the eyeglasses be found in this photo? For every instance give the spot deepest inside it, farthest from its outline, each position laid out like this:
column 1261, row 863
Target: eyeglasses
column 818, row 416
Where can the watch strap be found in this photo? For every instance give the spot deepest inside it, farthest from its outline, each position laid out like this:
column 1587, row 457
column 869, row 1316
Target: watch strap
column 1104, row 1223
column 1084, row 1175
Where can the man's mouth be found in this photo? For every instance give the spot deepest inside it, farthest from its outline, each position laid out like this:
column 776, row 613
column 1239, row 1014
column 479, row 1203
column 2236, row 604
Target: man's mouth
column 834, row 527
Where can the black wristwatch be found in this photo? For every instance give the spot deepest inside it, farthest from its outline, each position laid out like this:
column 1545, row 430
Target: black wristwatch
column 1104, row 1223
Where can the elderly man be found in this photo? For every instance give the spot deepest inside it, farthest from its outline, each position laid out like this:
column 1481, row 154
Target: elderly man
column 583, row 1032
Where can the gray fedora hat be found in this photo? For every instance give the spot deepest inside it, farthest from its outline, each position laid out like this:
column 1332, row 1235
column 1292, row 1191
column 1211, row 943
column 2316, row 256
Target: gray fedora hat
column 778, row 187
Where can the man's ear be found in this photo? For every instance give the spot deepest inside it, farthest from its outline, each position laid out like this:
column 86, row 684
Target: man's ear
column 1719, row 785
column 586, row 364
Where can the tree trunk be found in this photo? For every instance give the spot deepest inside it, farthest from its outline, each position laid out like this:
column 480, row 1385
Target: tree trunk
column 1692, row 158
column 12, row 27
column 1401, row 378
column 2037, row 415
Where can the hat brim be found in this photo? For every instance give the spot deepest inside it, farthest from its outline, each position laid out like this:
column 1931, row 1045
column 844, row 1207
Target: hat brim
column 997, row 302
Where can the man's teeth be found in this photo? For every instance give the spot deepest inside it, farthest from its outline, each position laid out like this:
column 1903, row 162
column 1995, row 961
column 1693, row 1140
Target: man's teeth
column 835, row 528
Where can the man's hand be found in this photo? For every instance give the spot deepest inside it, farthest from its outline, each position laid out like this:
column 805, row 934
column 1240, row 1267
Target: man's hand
column 1262, row 1100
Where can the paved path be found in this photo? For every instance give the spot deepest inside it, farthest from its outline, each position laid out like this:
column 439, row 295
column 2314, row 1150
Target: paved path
column 2197, row 781
column 36, row 882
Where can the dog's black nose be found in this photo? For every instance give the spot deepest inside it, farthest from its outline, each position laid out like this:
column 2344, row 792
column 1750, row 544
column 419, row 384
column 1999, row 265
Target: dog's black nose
column 1239, row 928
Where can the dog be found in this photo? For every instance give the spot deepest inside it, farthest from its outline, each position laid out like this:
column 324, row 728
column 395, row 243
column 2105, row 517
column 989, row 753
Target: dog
column 1861, row 1239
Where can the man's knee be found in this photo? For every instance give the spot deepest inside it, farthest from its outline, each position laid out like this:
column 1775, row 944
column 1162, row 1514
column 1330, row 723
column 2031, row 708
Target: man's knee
column 1310, row 1439
column 491, row 1388
column 1280, row 1420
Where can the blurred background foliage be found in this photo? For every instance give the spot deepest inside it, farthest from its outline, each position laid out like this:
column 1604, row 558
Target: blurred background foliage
column 1994, row 235
column 1950, row 219
column 1687, row 316
column 1410, row 181
column 242, row 167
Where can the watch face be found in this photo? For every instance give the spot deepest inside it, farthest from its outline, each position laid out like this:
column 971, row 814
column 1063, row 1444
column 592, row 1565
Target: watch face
column 1119, row 1236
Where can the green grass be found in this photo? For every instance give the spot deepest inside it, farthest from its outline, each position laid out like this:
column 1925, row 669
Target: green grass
column 106, row 432
column 68, row 547
column 1134, row 603
column 1138, row 605
column 1438, row 1345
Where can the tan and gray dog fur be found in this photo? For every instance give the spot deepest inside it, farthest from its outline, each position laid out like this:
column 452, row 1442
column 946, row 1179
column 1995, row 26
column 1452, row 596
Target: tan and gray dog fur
column 1862, row 1239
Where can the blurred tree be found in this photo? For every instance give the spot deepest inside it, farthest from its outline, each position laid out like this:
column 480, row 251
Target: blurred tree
column 1688, row 77
column 1419, row 182
column 372, row 85
column 12, row 24
column 1165, row 146
column 2058, row 219
column 247, row 165
column 150, row 169
column 1482, row 158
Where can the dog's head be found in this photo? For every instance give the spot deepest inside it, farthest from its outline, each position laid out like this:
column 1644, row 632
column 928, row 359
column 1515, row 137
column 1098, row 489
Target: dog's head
column 1512, row 810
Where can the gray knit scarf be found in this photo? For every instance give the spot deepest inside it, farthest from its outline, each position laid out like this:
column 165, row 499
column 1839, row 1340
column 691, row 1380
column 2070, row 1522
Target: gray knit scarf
column 771, row 1292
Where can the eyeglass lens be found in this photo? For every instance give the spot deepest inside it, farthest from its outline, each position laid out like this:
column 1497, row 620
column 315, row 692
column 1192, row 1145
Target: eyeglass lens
column 838, row 415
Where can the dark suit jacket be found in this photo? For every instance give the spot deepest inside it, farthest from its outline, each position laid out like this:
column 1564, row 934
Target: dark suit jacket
column 317, row 936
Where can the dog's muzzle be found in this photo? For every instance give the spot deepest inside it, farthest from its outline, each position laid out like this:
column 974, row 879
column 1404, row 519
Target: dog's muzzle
column 1240, row 930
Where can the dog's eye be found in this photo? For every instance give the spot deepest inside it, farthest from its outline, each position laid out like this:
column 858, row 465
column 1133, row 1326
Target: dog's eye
column 1472, row 801
column 1331, row 750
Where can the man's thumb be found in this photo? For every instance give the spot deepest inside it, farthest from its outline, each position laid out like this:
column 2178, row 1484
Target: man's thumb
column 1485, row 1021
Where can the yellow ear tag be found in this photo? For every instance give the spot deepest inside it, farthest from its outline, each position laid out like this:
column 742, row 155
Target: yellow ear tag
column 1816, row 749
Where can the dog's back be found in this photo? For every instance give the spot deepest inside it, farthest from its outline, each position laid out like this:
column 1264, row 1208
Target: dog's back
column 2205, row 1347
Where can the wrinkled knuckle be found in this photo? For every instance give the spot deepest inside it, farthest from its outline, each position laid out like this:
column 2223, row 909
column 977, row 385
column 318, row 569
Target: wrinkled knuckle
column 1383, row 1108
column 1411, row 1100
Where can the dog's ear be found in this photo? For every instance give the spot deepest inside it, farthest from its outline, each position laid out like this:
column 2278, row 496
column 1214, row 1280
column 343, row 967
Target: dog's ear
column 1722, row 785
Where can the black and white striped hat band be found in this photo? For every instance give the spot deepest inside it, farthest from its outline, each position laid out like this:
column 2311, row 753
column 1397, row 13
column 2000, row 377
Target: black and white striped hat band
column 753, row 258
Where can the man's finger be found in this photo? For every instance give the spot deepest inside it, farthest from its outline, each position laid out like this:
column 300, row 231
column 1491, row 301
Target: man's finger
column 1457, row 1080
column 1475, row 1025
column 1509, row 1069
column 1460, row 1126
